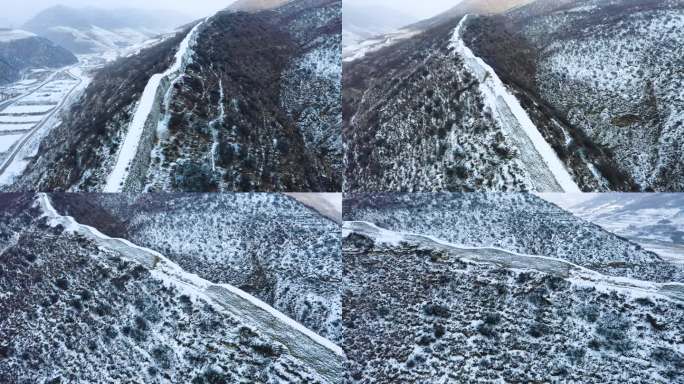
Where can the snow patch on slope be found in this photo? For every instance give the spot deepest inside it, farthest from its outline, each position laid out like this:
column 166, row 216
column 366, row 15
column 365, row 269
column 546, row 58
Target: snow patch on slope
column 214, row 125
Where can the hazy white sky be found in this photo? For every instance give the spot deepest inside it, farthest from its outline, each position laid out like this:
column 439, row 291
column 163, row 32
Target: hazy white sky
column 18, row 12
column 421, row 9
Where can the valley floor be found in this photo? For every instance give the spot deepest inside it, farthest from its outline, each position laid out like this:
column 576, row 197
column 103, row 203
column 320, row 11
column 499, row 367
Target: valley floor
column 31, row 111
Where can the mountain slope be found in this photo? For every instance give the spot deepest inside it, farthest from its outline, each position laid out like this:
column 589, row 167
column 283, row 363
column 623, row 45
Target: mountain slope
column 607, row 70
column 419, row 116
column 500, row 287
column 94, row 30
column 268, row 245
column 655, row 221
column 133, row 313
column 419, row 313
column 21, row 50
column 253, row 104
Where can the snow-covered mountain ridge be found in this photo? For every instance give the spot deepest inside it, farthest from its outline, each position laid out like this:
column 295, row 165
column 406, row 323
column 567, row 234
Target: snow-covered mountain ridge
column 546, row 171
column 268, row 245
column 415, row 119
column 501, row 287
column 131, row 311
column 520, row 223
column 244, row 111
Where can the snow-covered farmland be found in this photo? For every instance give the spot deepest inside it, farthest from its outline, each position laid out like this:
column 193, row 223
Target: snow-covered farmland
column 359, row 50
column 20, row 119
column 31, row 111
column 14, row 127
column 32, row 80
column 51, row 93
column 7, row 141
column 35, row 104
column 21, row 109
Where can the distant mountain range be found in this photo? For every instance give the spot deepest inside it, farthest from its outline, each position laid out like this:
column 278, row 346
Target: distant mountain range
column 91, row 29
column 464, row 7
column 255, row 5
column 363, row 22
column 21, row 50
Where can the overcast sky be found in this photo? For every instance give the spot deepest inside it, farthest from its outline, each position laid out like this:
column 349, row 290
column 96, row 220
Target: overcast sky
column 18, row 12
column 420, row 9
